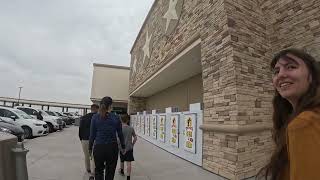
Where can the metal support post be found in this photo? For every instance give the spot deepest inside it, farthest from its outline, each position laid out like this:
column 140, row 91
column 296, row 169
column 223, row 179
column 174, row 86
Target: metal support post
column 20, row 154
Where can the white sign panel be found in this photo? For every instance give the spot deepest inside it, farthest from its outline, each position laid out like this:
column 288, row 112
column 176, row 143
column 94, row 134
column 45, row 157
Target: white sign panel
column 133, row 122
column 147, row 125
column 139, row 123
column 143, row 124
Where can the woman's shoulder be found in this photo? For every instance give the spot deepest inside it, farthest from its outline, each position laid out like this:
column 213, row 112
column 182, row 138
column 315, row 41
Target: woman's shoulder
column 306, row 119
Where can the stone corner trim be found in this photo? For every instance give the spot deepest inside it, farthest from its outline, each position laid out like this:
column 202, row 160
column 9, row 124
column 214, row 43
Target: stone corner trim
column 236, row 129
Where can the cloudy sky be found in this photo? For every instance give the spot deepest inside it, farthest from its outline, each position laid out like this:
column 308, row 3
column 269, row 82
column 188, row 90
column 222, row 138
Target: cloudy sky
column 48, row 46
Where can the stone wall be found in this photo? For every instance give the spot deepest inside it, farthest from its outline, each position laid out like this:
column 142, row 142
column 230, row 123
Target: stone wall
column 164, row 47
column 136, row 104
column 232, row 155
column 254, row 90
column 293, row 24
column 238, row 40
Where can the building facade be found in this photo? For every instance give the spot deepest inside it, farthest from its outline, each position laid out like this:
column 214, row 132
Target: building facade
column 113, row 81
column 217, row 52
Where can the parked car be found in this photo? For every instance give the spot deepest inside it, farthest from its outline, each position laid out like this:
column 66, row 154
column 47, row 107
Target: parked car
column 65, row 118
column 71, row 116
column 57, row 119
column 76, row 115
column 52, row 122
column 11, row 128
column 31, row 127
column 52, row 113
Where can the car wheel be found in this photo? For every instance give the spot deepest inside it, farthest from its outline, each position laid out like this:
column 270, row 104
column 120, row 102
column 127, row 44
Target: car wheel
column 51, row 130
column 27, row 132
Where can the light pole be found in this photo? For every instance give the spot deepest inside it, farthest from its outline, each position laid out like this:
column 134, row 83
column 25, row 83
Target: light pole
column 20, row 88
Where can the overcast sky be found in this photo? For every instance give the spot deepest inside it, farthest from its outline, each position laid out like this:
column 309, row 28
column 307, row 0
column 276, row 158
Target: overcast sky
column 48, row 46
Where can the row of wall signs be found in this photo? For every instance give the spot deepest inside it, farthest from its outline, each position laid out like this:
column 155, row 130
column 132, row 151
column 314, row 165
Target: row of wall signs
column 148, row 125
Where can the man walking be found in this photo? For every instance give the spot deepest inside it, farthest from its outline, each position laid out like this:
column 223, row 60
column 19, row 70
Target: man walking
column 84, row 134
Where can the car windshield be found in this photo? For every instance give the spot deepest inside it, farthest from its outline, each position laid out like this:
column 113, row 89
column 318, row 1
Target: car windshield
column 58, row 114
column 22, row 114
column 50, row 113
column 44, row 113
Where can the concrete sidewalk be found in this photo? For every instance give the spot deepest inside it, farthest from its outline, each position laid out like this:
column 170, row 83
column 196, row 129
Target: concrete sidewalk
column 59, row 156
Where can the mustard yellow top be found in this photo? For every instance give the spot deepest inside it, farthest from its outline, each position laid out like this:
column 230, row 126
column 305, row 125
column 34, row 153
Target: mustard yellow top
column 303, row 138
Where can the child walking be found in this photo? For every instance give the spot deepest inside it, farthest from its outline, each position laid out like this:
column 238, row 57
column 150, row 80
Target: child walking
column 126, row 155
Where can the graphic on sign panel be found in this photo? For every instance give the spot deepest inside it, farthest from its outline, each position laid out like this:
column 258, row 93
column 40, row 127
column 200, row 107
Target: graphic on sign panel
column 140, row 121
column 147, row 125
column 136, row 123
column 143, row 124
column 190, row 132
column 154, row 126
column 162, row 128
column 174, row 132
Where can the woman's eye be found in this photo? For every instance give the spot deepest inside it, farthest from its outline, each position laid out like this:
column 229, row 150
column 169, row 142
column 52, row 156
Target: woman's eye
column 290, row 67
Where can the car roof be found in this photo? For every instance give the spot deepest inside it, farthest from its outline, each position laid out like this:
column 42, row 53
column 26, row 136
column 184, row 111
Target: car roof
column 27, row 107
column 7, row 108
column 10, row 109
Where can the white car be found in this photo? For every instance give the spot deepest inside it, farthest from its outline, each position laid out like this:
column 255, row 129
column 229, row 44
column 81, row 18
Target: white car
column 31, row 127
column 52, row 122
column 56, row 118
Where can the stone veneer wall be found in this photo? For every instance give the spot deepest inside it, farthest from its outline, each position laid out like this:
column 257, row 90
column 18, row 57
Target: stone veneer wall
column 136, row 104
column 238, row 40
column 294, row 23
column 254, row 90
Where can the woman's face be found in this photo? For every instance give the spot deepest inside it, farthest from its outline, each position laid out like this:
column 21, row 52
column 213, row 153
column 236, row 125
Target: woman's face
column 291, row 77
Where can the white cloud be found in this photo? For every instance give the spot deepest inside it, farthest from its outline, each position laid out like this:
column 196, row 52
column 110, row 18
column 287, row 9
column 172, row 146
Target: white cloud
column 49, row 46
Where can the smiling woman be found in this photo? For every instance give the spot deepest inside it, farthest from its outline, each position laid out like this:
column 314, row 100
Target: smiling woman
column 296, row 117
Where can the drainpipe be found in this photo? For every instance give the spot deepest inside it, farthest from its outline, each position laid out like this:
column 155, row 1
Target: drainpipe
column 20, row 154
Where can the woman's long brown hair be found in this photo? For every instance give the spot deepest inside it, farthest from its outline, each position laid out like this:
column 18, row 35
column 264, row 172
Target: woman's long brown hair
column 103, row 110
column 283, row 112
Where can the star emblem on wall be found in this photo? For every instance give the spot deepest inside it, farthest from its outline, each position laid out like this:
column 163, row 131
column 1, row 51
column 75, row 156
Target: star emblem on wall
column 171, row 13
column 134, row 64
column 146, row 47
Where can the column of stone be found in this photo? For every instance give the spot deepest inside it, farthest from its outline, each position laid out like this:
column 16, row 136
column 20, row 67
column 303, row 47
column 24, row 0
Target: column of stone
column 136, row 104
column 253, row 144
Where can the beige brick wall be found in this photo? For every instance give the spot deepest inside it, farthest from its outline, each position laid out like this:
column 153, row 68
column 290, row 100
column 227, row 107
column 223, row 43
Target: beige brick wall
column 238, row 40
column 136, row 104
column 164, row 47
